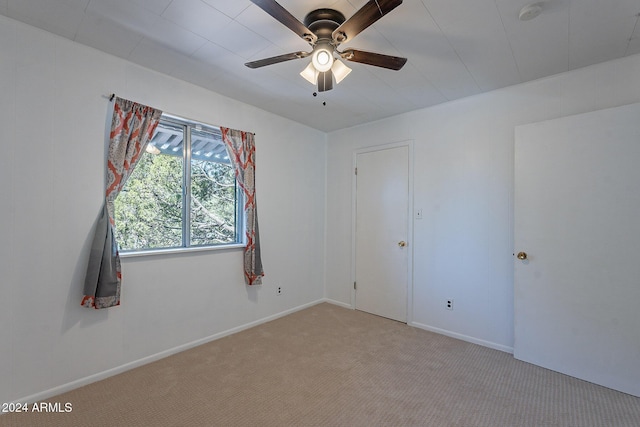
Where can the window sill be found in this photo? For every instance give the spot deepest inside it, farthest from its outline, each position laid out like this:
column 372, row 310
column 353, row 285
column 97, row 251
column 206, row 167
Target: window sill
column 152, row 252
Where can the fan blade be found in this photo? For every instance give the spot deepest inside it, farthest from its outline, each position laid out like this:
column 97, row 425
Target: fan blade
column 376, row 59
column 285, row 18
column 276, row 59
column 363, row 18
column 325, row 81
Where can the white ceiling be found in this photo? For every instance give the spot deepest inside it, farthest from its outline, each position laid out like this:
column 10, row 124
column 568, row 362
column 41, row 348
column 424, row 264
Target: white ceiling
column 455, row 48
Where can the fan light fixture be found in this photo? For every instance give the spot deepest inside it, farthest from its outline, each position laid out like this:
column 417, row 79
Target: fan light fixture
column 322, row 60
column 339, row 70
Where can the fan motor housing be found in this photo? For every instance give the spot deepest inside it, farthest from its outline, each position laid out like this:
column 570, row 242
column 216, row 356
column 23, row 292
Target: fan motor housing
column 322, row 22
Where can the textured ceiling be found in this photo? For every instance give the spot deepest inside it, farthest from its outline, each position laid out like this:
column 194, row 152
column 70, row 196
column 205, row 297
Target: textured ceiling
column 455, row 48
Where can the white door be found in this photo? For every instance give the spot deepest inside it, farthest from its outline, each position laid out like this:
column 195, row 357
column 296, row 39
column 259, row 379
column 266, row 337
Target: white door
column 577, row 218
column 381, row 232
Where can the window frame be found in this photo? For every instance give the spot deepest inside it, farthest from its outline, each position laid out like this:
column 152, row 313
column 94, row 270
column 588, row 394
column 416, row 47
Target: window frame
column 186, row 197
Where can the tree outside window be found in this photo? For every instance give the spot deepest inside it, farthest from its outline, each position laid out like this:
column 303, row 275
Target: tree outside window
column 183, row 192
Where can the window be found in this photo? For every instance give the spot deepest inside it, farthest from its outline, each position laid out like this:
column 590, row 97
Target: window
column 183, row 192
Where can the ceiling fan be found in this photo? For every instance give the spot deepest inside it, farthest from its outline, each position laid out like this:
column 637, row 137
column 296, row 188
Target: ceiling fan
column 325, row 30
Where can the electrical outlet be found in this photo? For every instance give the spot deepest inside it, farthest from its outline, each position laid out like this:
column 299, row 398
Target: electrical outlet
column 449, row 304
column 279, row 290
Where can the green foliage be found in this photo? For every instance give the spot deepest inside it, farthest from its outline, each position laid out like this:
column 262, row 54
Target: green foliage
column 148, row 211
column 213, row 203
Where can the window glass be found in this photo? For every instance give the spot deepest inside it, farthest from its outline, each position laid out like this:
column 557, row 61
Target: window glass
column 182, row 193
column 213, row 191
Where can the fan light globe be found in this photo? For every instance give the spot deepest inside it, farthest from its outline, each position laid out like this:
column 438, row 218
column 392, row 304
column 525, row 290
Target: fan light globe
column 322, row 59
column 310, row 74
column 340, row 71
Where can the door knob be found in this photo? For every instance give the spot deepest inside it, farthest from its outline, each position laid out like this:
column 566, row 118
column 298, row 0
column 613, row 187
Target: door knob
column 522, row 255
column 402, row 243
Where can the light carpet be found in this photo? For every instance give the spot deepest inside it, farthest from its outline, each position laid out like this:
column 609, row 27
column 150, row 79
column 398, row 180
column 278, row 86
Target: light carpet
column 331, row 366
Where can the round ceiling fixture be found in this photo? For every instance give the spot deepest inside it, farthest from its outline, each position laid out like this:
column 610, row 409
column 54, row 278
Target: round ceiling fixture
column 322, row 58
column 530, row 11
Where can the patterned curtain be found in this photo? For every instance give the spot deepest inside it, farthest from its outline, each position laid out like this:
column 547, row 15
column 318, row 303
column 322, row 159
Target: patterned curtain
column 242, row 150
column 132, row 126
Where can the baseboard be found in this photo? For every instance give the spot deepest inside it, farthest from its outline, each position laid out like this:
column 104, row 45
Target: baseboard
column 462, row 337
column 37, row 397
column 451, row 334
column 338, row 303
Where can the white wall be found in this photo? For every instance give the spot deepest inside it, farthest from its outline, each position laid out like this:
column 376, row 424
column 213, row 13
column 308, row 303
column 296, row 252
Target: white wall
column 52, row 121
column 463, row 181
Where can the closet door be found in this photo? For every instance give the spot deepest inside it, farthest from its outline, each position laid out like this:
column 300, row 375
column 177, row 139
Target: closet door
column 577, row 234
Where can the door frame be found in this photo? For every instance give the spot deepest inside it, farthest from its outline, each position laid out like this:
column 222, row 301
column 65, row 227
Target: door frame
column 409, row 144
